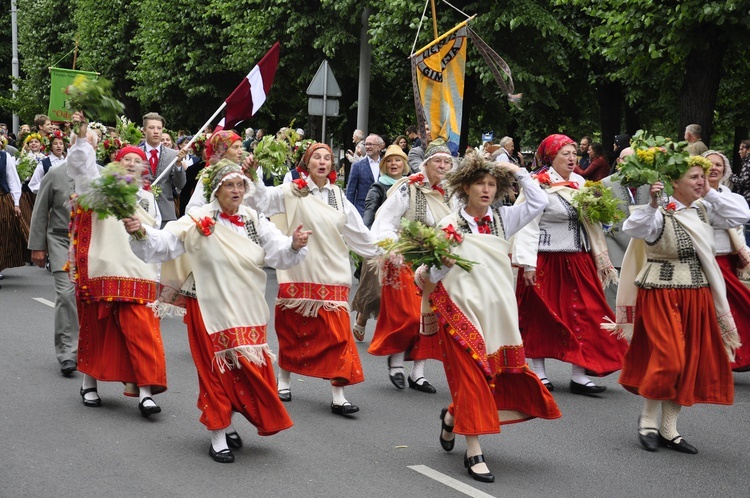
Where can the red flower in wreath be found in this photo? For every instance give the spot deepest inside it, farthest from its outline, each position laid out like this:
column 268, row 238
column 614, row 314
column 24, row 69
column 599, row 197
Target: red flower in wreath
column 452, row 235
column 205, row 225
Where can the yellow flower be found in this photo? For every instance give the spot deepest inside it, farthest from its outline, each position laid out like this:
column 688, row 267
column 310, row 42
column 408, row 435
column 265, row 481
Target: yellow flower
column 699, row 161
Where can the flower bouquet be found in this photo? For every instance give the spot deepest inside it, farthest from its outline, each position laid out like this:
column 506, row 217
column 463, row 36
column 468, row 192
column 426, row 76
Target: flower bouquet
column 114, row 193
column 596, row 204
column 423, row 245
column 26, row 165
column 94, row 98
column 655, row 159
column 106, row 148
column 128, row 131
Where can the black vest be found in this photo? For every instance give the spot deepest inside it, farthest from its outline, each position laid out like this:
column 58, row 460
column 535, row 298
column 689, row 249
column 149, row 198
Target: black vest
column 4, row 187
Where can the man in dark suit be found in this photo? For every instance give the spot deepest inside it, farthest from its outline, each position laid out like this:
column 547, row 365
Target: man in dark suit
column 48, row 235
column 158, row 158
column 364, row 173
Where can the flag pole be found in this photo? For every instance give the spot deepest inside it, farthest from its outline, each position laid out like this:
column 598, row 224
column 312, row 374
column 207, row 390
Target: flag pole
column 434, row 19
column 192, row 140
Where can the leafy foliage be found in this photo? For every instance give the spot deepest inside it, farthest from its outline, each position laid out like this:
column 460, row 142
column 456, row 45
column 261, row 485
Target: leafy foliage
column 655, row 159
column 597, row 204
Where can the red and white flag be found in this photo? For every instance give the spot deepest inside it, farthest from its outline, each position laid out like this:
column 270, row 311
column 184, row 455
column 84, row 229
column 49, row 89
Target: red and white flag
column 251, row 93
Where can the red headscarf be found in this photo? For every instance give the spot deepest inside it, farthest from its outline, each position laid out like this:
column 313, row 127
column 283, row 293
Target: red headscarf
column 219, row 143
column 130, row 149
column 550, row 146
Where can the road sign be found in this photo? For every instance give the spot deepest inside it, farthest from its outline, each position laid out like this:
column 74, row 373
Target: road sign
column 315, row 107
column 324, row 83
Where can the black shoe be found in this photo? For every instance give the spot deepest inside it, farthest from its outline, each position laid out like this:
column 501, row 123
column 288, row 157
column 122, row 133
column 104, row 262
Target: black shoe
column 234, row 441
column 397, row 380
column 147, row 411
column 68, row 367
column 550, row 387
column 345, row 409
column 90, row 402
column 649, row 440
column 285, row 395
column 469, row 462
column 223, row 456
column 683, row 446
column 447, row 444
column 587, row 389
column 424, row 387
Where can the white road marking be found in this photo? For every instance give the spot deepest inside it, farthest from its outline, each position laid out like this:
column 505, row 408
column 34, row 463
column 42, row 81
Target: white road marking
column 44, row 301
column 449, row 481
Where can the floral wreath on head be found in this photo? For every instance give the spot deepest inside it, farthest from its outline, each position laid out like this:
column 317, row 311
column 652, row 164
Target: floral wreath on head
column 95, row 125
column 199, row 144
column 33, row 136
column 58, row 134
column 3, row 142
column 107, row 147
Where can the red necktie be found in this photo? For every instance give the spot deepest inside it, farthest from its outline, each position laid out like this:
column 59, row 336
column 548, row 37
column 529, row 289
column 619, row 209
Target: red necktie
column 235, row 219
column 439, row 189
column 153, row 161
column 483, row 224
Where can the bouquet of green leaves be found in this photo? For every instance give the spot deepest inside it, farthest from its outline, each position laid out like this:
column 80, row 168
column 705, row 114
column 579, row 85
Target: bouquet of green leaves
column 272, row 154
column 94, row 98
column 655, row 159
column 596, row 204
column 26, row 166
column 423, row 245
column 114, row 193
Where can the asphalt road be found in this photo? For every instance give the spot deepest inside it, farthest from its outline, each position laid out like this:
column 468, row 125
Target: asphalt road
column 54, row 446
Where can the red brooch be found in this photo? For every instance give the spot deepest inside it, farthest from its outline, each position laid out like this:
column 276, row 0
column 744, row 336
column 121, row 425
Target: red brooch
column 418, row 178
column 543, row 178
column 205, row 225
column 671, row 207
column 452, row 235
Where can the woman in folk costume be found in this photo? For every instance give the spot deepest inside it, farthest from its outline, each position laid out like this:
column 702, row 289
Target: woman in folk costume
column 733, row 257
column 564, row 264
column 418, row 197
column 119, row 338
column 312, row 309
column 482, row 350
column 672, row 301
column 213, row 256
column 366, row 301
column 13, row 251
column 224, row 144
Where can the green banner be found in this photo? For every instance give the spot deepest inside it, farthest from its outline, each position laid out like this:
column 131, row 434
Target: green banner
column 60, row 79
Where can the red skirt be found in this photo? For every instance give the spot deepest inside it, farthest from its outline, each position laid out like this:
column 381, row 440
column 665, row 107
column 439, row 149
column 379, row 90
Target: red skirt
column 480, row 406
column 121, row 342
column 249, row 390
column 738, row 296
column 15, row 233
column 677, row 353
column 319, row 346
column 561, row 316
column 397, row 328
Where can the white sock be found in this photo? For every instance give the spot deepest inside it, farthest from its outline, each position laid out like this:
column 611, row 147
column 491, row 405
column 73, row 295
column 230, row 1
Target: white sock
column 417, row 371
column 145, row 392
column 284, row 377
column 578, row 374
column 396, row 363
column 537, row 364
column 88, row 383
column 669, row 412
column 649, row 415
column 219, row 440
column 338, row 395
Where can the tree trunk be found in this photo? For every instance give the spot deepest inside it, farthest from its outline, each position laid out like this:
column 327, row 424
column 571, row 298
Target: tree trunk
column 470, row 87
column 609, row 95
column 701, row 85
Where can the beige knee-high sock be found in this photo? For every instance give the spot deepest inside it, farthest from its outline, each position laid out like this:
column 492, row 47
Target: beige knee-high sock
column 284, row 377
column 649, row 415
column 669, row 412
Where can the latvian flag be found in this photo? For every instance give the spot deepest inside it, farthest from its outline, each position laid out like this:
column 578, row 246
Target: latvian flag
column 251, row 93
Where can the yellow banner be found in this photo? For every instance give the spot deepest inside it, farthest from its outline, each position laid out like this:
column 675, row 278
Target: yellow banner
column 440, row 71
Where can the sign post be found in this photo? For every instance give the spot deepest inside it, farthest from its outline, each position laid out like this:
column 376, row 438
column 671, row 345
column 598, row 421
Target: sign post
column 323, row 85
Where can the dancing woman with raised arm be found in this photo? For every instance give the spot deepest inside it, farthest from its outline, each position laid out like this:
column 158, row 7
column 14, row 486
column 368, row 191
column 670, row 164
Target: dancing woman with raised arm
column 482, row 350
